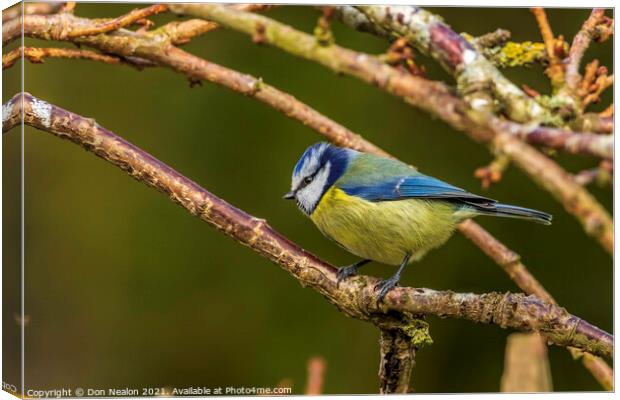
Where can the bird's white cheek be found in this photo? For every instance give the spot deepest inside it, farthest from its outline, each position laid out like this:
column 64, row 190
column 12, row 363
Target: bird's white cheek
column 309, row 196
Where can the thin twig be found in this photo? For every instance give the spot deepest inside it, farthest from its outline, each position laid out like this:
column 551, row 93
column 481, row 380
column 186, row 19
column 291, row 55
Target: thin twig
column 599, row 369
column 117, row 23
column 36, row 55
column 181, row 32
column 545, row 31
column 555, row 70
column 602, row 175
column 559, row 139
column 492, row 173
column 602, row 82
column 578, row 48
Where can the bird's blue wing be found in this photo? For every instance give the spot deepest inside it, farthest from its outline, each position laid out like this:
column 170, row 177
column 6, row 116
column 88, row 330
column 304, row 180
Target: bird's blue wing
column 411, row 187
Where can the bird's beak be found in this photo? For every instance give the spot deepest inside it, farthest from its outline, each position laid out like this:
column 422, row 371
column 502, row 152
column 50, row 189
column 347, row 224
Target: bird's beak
column 289, row 196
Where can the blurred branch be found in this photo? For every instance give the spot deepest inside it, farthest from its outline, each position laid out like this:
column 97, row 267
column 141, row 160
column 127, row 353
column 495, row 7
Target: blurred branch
column 599, row 368
column 356, row 296
column 555, row 70
column 601, row 175
column 29, row 9
column 116, row 23
column 181, row 32
column 526, row 365
column 545, row 32
column 433, row 97
column 578, row 48
column 591, row 122
column 316, row 376
column 36, row 55
column 608, row 114
column 569, row 142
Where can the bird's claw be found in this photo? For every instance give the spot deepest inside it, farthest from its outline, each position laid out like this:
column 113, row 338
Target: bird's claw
column 384, row 287
column 345, row 272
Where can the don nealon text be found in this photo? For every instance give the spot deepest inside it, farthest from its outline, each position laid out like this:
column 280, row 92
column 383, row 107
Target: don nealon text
column 166, row 391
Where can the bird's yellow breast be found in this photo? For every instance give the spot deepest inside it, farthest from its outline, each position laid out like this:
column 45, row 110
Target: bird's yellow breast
column 384, row 231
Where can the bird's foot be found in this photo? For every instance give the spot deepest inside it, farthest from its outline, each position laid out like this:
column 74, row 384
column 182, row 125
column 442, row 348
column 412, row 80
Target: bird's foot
column 346, row 272
column 384, row 287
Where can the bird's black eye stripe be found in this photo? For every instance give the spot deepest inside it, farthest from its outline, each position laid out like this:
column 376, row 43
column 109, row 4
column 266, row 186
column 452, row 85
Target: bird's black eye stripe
column 306, row 181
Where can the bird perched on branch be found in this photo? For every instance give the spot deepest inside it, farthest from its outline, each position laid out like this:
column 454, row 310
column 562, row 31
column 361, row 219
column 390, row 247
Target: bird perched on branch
column 383, row 210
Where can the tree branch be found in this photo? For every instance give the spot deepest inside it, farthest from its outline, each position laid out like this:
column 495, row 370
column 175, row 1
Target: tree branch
column 545, row 32
column 117, row 23
column 559, row 139
column 591, row 122
column 555, row 70
column 356, row 296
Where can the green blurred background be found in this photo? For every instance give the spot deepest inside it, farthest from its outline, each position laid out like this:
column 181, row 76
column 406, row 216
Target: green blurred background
column 124, row 288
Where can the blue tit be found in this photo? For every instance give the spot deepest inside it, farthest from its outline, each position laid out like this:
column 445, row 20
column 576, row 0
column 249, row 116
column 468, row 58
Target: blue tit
column 383, row 210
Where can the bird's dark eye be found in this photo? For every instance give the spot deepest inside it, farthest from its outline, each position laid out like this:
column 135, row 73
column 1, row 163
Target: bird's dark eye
column 307, row 180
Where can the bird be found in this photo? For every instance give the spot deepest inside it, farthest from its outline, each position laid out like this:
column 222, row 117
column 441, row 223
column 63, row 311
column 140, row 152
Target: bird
column 383, row 210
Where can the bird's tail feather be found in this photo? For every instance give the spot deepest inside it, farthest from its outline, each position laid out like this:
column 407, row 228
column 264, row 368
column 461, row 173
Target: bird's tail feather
column 507, row 210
